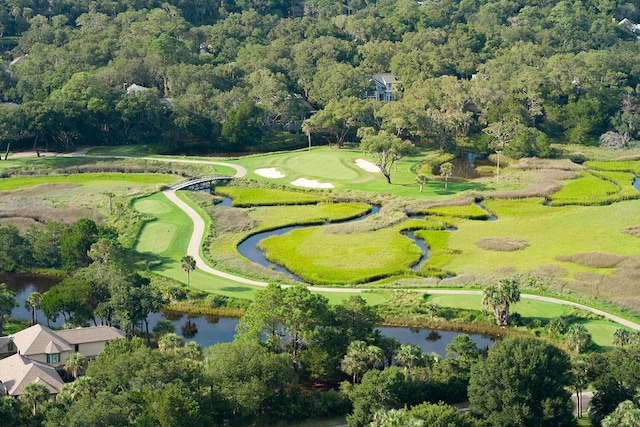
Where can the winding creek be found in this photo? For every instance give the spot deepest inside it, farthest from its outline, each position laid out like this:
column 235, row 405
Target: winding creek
column 210, row 330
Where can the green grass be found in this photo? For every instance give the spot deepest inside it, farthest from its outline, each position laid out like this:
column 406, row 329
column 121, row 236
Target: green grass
column 601, row 330
column 98, row 179
column 245, row 197
column 587, row 190
column 322, row 257
column 338, row 167
column 549, row 231
column 632, row 166
column 467, row 211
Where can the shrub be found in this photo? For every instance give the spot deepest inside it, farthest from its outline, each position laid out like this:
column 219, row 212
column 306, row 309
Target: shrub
column 633, row 230
column 614, row 140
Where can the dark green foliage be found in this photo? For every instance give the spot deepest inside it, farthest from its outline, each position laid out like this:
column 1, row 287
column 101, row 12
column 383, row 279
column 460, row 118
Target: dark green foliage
column 241, row 127
column 14, row 249
column 522, row 382
column 75, row 242
column 391, row 388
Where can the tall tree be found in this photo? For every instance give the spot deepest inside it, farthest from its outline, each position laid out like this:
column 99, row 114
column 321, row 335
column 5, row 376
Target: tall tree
column 578, row 337
column 33, row 394
column 386, row 150
column 188, row 265
column 522, row 382
column 361, row 358
column 500, row 297
column 32, row 303
column 7, row 303
column 446, row 170
column 502, row 133
column 75, row 364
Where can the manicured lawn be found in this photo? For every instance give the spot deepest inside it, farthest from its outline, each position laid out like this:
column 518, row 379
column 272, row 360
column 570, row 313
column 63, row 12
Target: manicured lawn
column 87, row 179
column 165, row 241
column 338, row 167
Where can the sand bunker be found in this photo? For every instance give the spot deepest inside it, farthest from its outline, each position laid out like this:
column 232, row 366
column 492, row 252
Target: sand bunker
column 367, row 165
column 269, row 173
column 311, row 183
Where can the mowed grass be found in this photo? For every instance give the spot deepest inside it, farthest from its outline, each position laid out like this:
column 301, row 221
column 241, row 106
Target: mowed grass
column 244, row 197
column 339, row 168
column 88, row 179
column 322, row 257
column 601, row 330
column 549, row 231
column 165, row 241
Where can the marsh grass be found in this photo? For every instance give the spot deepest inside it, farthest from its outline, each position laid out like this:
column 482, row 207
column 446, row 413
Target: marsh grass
column 586, row 190
column 633, row 230
column 503, row 244
column 593, row 259
column 471, row 211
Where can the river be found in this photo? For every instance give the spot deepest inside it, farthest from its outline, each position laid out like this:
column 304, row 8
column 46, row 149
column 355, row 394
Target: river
column 210, row 330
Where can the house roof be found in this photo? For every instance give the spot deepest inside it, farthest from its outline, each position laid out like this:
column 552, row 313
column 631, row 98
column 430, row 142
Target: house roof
column 17, row 372
column 92, row 334
column 39, row 339
column 384, row 78
column 136, row 88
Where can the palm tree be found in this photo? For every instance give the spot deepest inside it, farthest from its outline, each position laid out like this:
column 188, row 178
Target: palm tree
column 408, row 355
column 33, row 303
column 446, row 170
column 422, row 180
column 170, row 341
column 76, row 363
column 361, row 358
column 578, row 337
column 500, row 297
column 33, row 394
column 621, row 337
column 110, row 195
column 188, row 265
column 580, row 380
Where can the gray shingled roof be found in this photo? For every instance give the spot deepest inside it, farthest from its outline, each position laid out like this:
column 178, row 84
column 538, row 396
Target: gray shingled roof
column 39, row 339
column 92, row 334
column 17, row 372
column 385, row 78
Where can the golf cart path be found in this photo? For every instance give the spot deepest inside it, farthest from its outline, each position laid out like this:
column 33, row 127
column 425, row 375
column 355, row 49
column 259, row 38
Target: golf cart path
column 198, row 235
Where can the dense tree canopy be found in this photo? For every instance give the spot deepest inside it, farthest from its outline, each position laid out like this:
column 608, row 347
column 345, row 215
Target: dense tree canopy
column 566, row 72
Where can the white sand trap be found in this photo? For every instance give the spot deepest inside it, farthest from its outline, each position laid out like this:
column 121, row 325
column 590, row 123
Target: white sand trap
column 367, row 165
column 311, row 183
column 269, row 173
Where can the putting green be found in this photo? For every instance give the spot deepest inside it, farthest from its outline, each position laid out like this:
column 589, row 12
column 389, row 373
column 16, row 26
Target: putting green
column 321, row 165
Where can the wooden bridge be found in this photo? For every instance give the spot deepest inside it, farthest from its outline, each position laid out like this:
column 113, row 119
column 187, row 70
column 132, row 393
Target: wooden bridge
column 203, row 183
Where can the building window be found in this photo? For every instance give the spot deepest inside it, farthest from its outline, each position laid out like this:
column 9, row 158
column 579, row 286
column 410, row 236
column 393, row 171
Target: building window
column 53, row 358
column 77, row 347
column 10, row 346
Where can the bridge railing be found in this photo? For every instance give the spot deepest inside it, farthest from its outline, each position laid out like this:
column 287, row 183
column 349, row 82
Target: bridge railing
column 199, row 180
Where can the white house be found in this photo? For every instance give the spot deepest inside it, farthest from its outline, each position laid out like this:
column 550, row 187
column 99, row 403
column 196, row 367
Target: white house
column 384, row 87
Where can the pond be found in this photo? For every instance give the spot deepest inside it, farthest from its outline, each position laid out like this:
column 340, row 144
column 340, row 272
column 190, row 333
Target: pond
column 210, row 330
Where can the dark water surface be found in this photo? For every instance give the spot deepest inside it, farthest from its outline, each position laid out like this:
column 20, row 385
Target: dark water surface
column 210, row 330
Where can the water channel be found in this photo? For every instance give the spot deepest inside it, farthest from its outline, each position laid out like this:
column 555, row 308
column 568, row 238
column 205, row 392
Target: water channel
column 210, row 330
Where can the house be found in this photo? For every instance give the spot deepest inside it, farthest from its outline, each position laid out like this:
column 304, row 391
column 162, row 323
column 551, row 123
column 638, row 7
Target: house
column 17, row 372
column 7, row 347
column 384, row 88
column 42, row 344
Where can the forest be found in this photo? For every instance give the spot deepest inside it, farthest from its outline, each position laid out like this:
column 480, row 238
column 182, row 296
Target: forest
column 212, row 76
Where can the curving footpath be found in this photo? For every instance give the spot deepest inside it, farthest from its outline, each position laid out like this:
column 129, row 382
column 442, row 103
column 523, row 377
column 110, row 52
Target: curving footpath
column 198, row 234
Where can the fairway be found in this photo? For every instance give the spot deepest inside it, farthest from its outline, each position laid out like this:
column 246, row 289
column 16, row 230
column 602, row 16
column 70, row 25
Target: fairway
column 338, row 167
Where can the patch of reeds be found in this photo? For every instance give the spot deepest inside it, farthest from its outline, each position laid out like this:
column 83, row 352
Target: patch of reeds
column 633, row 230
column 549, row 270
column 248, row 197
column 593, row 259
column 529, row 163
column 504, row 244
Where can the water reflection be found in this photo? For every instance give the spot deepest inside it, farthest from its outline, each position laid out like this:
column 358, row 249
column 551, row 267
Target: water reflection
column 209, row 329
